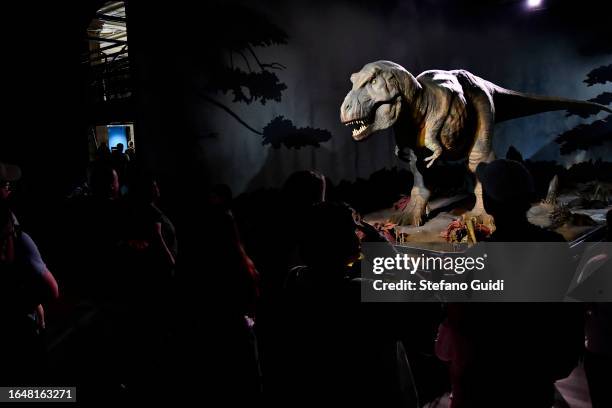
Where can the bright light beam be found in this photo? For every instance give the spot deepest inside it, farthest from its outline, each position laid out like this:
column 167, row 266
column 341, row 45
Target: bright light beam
column 534, row 3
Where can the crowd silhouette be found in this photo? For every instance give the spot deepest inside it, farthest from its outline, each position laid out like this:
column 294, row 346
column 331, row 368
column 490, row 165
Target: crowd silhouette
column 257, row 300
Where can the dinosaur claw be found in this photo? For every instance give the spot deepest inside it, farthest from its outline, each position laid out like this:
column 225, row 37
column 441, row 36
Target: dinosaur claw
column 431, row 159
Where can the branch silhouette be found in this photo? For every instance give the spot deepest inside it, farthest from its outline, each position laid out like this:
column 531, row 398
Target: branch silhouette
column 230, row 112
column 273, row 65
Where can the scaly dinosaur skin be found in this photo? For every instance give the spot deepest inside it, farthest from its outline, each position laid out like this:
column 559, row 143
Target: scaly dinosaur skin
column 450, row 113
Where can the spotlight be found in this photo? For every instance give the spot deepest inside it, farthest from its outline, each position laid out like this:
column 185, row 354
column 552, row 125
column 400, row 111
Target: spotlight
column 534, row 3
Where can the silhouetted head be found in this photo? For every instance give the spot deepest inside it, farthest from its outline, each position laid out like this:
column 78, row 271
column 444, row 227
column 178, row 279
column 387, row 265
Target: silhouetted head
column 220, row 196
column 508, row 189
column 329, row 236
column 105, row 182
column 120, row 147
column 9, row 175
column 304, row 188
column 144, row 188
column 375, row 101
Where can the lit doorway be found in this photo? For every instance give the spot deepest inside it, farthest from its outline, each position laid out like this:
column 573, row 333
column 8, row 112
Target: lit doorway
column 105, row 139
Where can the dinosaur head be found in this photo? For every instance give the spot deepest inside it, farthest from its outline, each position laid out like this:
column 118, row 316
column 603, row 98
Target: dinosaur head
column 375, row 101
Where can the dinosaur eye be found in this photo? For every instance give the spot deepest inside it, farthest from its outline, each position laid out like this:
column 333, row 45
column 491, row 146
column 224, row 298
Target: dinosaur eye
column 374, row 81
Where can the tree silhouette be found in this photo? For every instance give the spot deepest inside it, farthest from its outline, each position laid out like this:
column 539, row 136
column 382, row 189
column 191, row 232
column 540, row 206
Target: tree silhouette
column 585, row 136
column 281, row 131
column 236, row 68
column 599, row 75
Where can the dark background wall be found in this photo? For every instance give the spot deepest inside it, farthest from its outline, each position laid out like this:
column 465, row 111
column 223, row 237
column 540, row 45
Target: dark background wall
column 44, row 118
column 42, row 91
column 545, row 51
column 182, row 137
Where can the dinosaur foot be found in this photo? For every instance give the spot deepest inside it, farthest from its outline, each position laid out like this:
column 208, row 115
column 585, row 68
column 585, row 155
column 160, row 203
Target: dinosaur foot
column 481, row 216
column 413, row 214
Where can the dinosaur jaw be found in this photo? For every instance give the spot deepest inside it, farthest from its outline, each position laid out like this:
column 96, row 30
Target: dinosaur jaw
column 360, row 128
column 383, row 116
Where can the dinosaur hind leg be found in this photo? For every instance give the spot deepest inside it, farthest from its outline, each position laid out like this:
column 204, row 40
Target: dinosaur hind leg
column 481, row 152
column 416, row 210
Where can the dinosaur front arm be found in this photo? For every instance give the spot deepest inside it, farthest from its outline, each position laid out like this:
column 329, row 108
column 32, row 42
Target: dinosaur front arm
column 431, row 132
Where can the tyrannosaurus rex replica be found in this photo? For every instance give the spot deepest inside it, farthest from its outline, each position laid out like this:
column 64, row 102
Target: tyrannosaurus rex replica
column 450, row 113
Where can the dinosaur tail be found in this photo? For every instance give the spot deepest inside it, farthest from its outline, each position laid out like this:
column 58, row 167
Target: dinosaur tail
column 512, row 104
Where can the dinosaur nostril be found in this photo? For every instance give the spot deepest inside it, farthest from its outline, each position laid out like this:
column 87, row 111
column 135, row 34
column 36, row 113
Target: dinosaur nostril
column 347, row 107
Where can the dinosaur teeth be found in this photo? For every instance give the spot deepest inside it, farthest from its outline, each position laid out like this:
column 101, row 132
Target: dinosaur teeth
column 355, row 122
column 359, row 130
column 358, row 125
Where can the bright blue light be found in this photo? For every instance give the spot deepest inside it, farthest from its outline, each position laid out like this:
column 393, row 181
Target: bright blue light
column 117, row 134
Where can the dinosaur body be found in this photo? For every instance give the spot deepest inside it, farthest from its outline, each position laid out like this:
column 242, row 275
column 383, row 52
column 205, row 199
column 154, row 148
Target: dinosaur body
column 448, row 113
